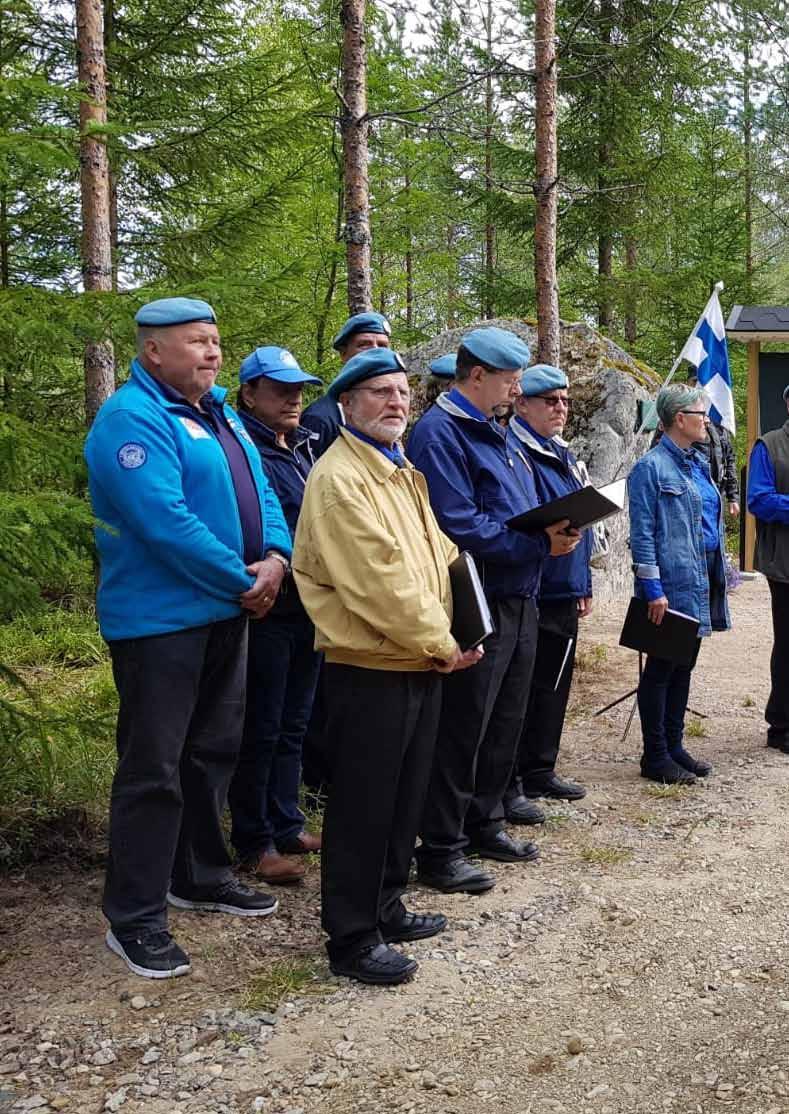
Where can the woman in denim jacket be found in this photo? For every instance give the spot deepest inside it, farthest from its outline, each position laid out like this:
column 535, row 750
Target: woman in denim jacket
column 676, row 537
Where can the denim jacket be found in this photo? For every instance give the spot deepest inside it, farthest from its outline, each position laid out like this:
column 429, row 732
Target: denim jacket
column 666, row 536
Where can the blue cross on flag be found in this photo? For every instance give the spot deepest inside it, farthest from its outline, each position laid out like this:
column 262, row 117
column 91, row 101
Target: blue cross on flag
column 706, row 349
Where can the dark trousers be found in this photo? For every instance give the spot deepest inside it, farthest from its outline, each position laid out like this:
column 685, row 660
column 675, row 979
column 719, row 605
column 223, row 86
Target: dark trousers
column 482, row 716
column 662, row 701
column 777, row 711
column 314, row 752
column 381, row 730
column 538, row 748
column 281, row 678
column 179, row 730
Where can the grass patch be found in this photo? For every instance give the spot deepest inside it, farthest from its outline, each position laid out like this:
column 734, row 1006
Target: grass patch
column 605, row 856
column 285, row 978
column 57, row 723
column 695, row 729
column 591, row 657
column 667, row 792
column 749, row 702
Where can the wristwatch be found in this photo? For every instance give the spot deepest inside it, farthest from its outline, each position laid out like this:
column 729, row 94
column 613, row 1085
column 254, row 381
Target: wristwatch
column 279, row 557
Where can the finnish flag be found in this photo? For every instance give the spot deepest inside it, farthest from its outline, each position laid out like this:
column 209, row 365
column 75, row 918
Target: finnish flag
column 706, row 349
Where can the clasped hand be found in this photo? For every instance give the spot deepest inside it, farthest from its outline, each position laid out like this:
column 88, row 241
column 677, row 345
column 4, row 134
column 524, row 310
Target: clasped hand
column 260, row 598
column 459, row 660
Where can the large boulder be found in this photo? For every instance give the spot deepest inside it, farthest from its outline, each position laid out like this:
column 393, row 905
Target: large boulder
column 606, row 385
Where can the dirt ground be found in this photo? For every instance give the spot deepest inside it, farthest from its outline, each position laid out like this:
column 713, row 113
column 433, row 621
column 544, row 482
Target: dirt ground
column 639, row 966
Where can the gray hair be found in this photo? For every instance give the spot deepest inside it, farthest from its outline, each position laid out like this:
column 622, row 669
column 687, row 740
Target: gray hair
column 146, row 332
column 676, row 397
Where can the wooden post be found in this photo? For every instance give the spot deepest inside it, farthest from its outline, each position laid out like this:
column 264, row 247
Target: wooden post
column 753, row 432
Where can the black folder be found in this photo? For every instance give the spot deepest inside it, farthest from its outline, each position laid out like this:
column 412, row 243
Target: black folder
column 676, row 639
column 583, row 508
column 471, row 618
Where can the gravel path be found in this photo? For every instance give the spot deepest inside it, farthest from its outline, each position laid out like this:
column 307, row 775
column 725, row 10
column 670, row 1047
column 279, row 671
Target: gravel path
column 640, row 966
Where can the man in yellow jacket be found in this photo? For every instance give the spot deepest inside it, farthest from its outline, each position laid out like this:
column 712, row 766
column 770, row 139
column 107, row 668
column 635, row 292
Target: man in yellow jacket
column 371, row 565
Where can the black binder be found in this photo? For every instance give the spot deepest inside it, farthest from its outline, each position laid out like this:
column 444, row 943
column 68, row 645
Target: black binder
column 583, row 508
column 471, row 618
column 676, row 639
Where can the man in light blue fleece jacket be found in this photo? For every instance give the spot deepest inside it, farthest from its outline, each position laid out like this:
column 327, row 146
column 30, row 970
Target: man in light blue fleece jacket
column 191, row 541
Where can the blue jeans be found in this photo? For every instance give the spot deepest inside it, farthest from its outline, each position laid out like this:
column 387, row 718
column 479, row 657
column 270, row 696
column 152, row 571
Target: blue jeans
column 662, row 701
column 281, row 680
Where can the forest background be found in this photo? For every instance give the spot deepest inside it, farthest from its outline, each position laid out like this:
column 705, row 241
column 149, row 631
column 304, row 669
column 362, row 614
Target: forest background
column 226, row 183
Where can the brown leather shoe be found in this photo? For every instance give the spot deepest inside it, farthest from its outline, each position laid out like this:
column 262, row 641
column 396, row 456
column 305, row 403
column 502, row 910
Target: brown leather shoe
column 278, row 870
column 302, row 844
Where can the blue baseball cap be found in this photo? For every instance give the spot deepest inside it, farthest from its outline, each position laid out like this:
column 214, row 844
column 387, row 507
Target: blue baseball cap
column 366, row 365
column 361, row 323
column 498, row 348
column 174, row 311
column 275, row 363
column 444, row 367
column 543, row 377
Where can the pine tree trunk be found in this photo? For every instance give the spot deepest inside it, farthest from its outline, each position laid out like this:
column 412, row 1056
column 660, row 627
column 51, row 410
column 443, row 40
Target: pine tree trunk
column 95, row 194
column 490, row 231
column 5, row 269
column 747, row 122
column 605, row 147
column 409, row 254
column 331, row 285
column 545, row 184
column 631, row 262
column 355, row 130
column 109, row 40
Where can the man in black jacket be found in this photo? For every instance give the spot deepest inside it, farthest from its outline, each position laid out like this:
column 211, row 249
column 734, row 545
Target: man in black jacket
column 268, row 826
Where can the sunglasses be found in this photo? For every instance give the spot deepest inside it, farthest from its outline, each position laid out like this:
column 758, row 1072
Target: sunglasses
column 554, row 402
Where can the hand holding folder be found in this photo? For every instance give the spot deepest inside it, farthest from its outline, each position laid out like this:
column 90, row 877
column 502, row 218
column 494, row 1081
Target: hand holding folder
column 675, row 638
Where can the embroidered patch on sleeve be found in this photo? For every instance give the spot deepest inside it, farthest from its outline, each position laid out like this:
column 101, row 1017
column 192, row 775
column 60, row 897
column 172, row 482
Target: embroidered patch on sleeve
column 132, row 455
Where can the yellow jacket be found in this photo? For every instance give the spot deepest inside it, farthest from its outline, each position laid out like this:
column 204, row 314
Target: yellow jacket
column 371, row 563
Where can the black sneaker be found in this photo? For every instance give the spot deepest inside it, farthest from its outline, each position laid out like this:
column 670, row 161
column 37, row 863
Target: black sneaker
column 154, row 955
column 233, row 897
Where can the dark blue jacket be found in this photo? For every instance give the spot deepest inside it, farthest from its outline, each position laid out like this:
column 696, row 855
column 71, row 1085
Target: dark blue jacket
column 476, row 483
column 556, row 473
column 323, row 417
column 287, row 471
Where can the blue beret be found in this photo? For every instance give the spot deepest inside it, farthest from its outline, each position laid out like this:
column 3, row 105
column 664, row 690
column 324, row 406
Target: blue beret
column 362, row 323
column 174, row 311
column 366, row 365
column 445, row 366
column 275, row 363
column 542, row 377
column 497, row 348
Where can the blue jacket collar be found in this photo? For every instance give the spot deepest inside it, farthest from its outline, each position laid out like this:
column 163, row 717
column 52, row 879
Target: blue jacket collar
column 524, row 432
column 161, row 390
column 481, row 423
column 295, row 439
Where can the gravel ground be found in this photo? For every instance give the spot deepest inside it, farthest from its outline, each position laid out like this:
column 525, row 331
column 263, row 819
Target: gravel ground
column 639, row 966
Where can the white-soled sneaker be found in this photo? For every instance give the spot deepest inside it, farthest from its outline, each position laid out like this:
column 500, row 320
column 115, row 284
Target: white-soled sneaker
column 233, row 897
column 152, row 954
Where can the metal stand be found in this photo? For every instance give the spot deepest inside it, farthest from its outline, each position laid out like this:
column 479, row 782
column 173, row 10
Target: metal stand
column 633, row 692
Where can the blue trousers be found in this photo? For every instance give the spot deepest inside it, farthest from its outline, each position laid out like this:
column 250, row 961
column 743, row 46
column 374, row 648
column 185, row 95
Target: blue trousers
column 281, row 679
column 662, row 702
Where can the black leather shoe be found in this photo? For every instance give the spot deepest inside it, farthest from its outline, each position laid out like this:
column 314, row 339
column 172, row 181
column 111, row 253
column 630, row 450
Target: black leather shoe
column 458, row 876
column 378, row 964
column 519, row 810
column 667, row 772
column 556, row 788
column 504, row 849
column 697, row 766
column 414, row 926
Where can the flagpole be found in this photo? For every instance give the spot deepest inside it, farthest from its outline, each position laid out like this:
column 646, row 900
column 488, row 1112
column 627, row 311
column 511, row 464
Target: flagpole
column 715, row 290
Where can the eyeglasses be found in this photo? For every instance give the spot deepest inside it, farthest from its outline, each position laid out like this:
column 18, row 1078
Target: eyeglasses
column 382, row 394
column 555, row 401
column 698, row 413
